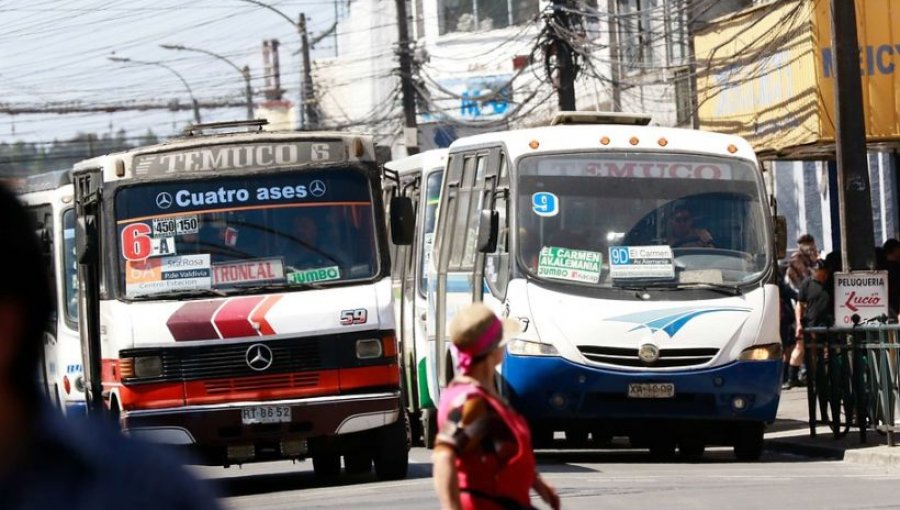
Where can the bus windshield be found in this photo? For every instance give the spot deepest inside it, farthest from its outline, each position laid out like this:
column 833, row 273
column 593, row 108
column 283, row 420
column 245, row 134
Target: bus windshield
column 636, row 219
column 233, row 234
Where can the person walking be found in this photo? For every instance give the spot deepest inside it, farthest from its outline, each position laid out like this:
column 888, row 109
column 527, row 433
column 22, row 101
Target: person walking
column 483, row 458
column 802, row 261
column 45, row 461
column 814, row 308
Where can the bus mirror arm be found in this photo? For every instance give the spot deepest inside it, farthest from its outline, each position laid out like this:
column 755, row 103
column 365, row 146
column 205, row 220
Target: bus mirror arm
column 488, row 228
column 780, row 237
column 403, row 221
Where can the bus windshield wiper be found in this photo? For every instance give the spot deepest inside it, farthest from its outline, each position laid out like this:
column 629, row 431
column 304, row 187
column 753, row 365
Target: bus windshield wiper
column 176, row 294
column 275, row 286
column 731, row 290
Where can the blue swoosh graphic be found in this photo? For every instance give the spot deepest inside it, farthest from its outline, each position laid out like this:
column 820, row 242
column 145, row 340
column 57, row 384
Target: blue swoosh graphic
column 671, row 320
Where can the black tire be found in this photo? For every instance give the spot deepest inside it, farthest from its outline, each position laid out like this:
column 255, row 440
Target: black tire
column 429, row 427
column 391, row 456
column 577, row 438
column 691, row 449
column 358, row 463
column 542, row 437
column 662, row 448
column 748, row 442
column 327, row 465
column 601, row 439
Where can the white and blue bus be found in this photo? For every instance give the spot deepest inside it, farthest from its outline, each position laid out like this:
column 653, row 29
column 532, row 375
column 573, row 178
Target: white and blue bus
column 640, row 261
column 48, row 198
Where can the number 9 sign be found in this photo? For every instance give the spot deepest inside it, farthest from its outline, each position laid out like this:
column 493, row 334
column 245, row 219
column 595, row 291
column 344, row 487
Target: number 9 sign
column 136, row 242
column 544, row 203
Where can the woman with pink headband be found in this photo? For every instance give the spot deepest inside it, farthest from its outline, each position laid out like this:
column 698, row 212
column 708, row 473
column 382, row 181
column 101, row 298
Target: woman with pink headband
column 482, row 457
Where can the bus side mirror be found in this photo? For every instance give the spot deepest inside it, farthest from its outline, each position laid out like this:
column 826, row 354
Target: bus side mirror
column 403, row 221
column 488, row 227
column 780, row 237
column 85, row 240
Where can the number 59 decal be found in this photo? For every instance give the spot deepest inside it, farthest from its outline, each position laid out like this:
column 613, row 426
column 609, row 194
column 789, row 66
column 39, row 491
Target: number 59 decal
column 351, row 317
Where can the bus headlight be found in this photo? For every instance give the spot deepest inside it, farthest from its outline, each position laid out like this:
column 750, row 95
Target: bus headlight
column 368, row 349
column 766, row 352
column 147, row 366
column 530, row 348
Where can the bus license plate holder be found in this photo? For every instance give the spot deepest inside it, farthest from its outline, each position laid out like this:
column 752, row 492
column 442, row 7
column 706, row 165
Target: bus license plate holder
column 265, row 414
column 651, row 390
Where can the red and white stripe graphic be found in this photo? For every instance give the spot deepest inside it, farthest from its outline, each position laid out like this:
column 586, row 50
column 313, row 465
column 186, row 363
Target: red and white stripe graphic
column 229, row 318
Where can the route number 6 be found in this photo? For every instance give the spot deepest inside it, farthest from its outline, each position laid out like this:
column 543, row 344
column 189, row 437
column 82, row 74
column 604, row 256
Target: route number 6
column 136, row 242
column 351, row 317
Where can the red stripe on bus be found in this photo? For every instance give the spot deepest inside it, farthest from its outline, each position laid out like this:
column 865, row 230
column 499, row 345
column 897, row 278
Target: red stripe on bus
column 193, row 321
column 259, row 316
column 233, row 319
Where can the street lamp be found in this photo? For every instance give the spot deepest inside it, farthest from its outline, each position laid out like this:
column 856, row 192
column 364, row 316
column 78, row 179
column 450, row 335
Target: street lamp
column 245, row 71
column 123, row 60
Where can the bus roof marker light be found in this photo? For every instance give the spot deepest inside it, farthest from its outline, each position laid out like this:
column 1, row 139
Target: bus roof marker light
column 358, row 148
column 604, row 140
column 534, row 144
column 120, row 168
column 732, row 148
column 633, row 140
column 662, row 142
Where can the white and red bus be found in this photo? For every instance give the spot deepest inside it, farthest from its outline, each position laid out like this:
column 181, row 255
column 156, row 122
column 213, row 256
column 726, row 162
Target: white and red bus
column 237, row 298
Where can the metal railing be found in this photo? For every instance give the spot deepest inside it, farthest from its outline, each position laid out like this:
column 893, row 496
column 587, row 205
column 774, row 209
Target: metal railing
column 853, row 378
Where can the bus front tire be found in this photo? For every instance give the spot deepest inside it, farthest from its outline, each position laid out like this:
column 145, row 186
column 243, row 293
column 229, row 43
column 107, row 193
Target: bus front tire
column 357, row 463
column 326, row 465
column 392, row 451
column 749, row 442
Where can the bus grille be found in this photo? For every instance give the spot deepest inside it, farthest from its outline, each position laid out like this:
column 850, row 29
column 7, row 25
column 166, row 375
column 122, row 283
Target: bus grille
column 226, row 361
column 260, row 383
column 668, row 358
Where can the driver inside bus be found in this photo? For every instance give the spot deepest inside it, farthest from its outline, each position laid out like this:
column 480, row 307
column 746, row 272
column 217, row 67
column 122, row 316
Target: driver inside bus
column 683, row 233
column 308, row 248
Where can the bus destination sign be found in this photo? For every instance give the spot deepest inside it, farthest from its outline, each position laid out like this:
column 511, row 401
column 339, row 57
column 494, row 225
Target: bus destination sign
column 214, row 158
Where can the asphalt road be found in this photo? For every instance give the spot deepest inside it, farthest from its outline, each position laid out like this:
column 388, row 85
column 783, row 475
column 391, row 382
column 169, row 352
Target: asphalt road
column 607, row 479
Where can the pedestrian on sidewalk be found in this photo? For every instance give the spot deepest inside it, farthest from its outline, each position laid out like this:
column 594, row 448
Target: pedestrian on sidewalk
column 890, row 262
column 45, row 461
column 787, row 298
column 483, row 458
column 803, row 261
column 814, row 308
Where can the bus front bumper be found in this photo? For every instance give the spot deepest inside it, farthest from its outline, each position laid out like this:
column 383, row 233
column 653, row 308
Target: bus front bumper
column 554, row 389
column 223, row 426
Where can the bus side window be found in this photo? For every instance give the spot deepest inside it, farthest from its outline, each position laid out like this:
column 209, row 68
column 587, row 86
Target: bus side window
column 459, row 228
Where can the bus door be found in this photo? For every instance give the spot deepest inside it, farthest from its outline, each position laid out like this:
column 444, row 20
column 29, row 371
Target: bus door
column 88, row 236
column 471, row 182
column 42, row 219
column 405, row 271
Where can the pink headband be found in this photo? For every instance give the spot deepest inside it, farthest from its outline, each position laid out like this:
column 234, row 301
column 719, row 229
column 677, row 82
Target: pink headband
column 487, row 339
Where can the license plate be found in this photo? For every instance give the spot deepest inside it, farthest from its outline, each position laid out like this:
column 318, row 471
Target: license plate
column 651, row 390
column 265, row 414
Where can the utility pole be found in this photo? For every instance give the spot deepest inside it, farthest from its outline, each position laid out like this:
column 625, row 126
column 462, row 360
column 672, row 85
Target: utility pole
column 308, row 108
column 404, row 52
column 850, row 137
column 565, row 57
column 615, row 69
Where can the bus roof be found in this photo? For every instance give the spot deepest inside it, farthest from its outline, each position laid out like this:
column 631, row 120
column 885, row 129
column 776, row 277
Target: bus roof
column 428, row 160
column 46, row 181
column 591, row 137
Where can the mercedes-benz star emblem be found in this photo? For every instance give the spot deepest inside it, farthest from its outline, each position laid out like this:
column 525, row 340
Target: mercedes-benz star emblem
column 164, row 200
column 259, row 357
column 648, row 353
column 317, row 188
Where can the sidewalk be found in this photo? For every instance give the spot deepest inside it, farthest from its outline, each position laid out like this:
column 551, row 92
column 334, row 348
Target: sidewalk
column 790, row 434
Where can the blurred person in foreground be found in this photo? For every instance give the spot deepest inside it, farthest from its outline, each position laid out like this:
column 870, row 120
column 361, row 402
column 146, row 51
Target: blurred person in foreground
column 45, row 461
column 483, row 457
